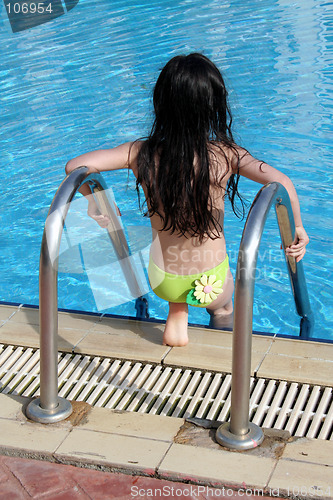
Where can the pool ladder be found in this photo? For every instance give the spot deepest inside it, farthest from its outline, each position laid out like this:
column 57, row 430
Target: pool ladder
column 239, row 433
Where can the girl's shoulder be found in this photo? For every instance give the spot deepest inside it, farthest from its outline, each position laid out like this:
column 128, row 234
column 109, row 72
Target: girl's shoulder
column 223, row 148
column 134, row 149
column 226, row 155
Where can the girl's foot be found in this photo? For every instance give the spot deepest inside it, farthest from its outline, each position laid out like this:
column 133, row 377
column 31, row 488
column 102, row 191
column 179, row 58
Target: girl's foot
column 222, row 317
column 221, row 321
column 175, row 332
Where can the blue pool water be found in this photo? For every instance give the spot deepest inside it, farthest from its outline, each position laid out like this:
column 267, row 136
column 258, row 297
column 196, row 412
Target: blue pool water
column 83, row 81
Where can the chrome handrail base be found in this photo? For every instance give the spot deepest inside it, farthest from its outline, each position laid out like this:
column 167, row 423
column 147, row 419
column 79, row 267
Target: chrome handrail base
column 247, row 441
column 38, row 414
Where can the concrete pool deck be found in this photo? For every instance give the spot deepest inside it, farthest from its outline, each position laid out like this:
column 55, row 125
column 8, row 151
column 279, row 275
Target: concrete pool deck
column 168, row 448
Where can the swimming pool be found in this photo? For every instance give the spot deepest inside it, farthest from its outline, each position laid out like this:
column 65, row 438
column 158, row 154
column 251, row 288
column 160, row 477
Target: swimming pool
column 83, row 81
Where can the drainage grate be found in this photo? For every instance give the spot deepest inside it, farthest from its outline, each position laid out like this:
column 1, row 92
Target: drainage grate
column 301, row 409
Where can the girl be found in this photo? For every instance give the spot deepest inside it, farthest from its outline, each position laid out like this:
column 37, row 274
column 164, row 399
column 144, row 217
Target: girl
column 186, row 167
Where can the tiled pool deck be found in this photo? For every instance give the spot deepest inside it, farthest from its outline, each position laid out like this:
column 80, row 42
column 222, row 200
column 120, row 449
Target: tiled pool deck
column 168, row 450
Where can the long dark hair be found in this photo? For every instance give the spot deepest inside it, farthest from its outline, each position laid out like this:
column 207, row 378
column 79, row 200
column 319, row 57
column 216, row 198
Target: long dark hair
column 175, row 162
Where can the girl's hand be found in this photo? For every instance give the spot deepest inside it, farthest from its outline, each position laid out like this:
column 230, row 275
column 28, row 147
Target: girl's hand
column 297, row 249
column 94, row 213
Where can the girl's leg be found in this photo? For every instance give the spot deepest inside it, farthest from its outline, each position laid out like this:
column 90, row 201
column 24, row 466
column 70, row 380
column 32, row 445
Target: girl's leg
column 221, row 309
column 175, row 332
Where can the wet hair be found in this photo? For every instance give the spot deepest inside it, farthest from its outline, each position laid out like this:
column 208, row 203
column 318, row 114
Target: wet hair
column 176, row 162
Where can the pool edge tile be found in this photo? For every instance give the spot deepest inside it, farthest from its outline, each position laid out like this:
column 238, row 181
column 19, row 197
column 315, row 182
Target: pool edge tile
column 315, row 451
column 216, row 466
column 294, row 478
column 302, row 370
column 143, row 425
column 112, row 450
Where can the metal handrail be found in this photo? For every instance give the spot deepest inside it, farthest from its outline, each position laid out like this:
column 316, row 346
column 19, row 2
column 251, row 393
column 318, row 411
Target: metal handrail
column 239, row 433
column 49, row 407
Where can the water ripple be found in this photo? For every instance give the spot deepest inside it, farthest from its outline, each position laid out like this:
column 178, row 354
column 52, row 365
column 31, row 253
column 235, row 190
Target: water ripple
column 84, row 81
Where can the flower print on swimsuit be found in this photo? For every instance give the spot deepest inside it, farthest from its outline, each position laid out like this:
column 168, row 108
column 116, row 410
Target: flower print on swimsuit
column 207, row 288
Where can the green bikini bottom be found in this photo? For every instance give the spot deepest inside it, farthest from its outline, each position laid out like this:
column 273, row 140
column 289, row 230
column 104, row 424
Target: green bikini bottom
column 196, row 289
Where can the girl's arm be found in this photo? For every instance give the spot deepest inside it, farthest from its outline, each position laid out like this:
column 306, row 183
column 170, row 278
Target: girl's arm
column 123, row 156
column 263, row 173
